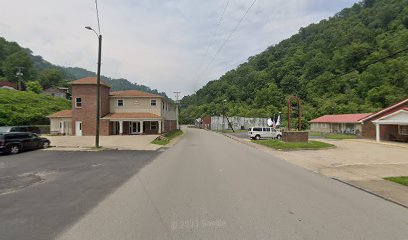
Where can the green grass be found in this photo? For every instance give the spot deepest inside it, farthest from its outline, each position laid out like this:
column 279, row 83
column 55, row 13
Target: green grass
column 401, row 180
column 230, row 131
column 340, row 136
column 168, row 137
column 333, row 135
column 280, row 145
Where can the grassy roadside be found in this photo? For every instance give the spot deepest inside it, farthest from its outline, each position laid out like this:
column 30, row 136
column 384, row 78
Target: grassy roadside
column 168, row 137
column 280, row 145
column 230, row 131
column 334, row 136
column 401, row 180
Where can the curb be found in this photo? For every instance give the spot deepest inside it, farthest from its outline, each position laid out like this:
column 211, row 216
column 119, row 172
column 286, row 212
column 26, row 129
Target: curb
column 370, row 192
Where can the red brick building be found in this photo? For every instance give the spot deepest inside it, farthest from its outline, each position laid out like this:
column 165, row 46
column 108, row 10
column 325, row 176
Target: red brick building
column 389, row 124
column 129, row 112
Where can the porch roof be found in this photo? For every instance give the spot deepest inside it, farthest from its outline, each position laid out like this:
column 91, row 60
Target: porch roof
column 132, row 116
column 61, row 114
column 396, row 118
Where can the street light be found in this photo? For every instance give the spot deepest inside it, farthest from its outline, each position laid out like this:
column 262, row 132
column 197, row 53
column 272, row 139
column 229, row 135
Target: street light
column 98, row 84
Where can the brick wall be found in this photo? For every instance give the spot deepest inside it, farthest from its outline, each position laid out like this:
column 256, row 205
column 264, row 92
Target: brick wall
column 295, row 136
column 170, row 125
column 87, row 113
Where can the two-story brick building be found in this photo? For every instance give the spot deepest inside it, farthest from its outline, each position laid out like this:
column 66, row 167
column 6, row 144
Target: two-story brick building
column 122, row 112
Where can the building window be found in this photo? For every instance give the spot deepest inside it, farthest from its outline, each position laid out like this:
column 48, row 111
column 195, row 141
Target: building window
column 120, row 102
column 403, row 130
column 163, row 105
column 153, row 125
column 153, row 102
column 78, row 102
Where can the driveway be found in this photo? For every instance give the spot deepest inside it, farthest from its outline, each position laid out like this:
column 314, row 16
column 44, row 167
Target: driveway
column 42, row 192
column 362, row 163
column 126, row 142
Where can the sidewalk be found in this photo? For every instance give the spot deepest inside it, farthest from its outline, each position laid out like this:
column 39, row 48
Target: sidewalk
column 133, row 142
column 361, row 163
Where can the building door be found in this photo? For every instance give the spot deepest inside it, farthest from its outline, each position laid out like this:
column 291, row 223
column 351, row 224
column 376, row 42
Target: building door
column 134, row 127
column 78, row 128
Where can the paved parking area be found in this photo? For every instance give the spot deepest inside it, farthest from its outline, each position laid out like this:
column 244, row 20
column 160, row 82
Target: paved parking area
column 362, row 163
column 42, row 192
column 126, row 142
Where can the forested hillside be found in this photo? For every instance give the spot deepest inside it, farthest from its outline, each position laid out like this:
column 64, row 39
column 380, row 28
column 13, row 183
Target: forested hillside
column 307, row 64
column 35, row 68
column 21, row 108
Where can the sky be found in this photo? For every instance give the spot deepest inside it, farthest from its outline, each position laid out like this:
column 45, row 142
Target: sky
column 169, row 45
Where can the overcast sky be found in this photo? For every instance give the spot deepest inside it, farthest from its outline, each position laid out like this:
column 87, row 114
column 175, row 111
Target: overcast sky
column 170, row 45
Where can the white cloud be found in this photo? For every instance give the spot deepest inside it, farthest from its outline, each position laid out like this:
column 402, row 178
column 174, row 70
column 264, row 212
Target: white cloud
column 159, row 43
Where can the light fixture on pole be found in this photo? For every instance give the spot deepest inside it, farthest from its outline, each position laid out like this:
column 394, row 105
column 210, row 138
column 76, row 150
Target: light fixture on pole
column 98, row 76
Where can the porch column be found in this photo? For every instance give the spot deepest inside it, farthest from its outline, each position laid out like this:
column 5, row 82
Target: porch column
column 377, row 132
column 120, row 127
column 62, row 127
column 160, row 127
column 141, row 127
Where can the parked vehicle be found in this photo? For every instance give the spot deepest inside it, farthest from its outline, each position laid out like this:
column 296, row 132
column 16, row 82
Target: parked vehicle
column 30, row 129
column 15, row 142
column 264, row 132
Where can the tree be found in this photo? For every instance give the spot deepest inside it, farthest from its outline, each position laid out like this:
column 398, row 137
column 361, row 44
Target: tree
column 15, row 60
column 34, row 86
column 50, row 77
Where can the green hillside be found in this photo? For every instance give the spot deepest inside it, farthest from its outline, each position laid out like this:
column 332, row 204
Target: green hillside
column 23, row 108
column 306, row 65
column 35, row 68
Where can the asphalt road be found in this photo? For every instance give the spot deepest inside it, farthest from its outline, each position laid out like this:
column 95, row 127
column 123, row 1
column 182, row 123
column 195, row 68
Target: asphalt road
column 43, row 192
column 212, row 187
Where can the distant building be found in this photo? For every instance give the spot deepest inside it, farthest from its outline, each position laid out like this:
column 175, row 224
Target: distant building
column 218, row 123
column 8, row 85
column 388, row 124
column 343, row 123
column 61, row 92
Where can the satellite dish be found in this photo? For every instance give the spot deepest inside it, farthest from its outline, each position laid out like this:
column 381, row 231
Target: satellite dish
column 270, row 123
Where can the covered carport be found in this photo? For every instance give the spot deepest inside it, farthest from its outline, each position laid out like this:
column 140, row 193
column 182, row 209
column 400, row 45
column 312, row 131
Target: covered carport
column 393, row 126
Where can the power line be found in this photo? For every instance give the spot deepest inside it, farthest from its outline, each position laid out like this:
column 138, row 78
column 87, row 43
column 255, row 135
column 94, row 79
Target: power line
column 212, row 38
column 369, row 64
column 230, row 35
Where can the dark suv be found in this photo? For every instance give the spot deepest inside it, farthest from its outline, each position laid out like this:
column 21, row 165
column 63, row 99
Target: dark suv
column 16, row 142
column 30, row 129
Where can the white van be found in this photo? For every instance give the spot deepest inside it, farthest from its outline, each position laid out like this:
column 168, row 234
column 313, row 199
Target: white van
column 264, row 132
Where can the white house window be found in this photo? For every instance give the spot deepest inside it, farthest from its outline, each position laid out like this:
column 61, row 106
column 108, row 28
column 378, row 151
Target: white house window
column 153, row 126
column 403, row 130
column 120, row 102
column 153, row 102
column 163, row 105
column 78, row 102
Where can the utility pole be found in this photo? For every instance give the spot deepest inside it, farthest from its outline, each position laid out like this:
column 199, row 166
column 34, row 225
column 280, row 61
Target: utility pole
column 19, row 74
column 98, row 76
column 98, row 93
column 177, row 109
